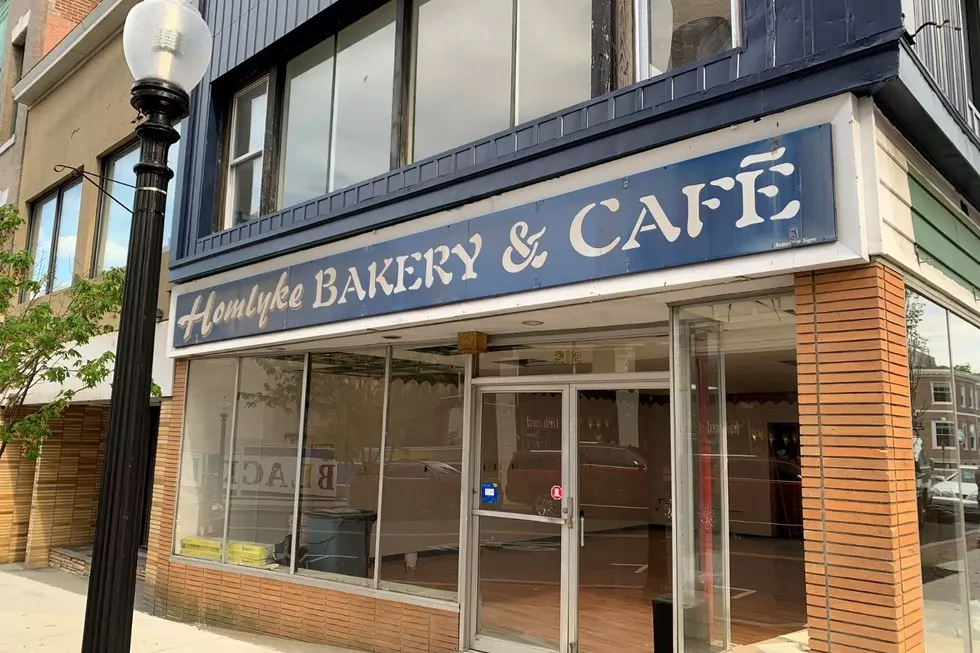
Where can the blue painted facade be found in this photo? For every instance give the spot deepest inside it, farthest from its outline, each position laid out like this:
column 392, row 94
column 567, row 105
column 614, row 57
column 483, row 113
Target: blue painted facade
column 765, row 196
column 792, row 52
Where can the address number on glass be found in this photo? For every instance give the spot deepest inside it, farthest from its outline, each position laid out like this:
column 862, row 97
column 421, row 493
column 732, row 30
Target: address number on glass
column 568, row 357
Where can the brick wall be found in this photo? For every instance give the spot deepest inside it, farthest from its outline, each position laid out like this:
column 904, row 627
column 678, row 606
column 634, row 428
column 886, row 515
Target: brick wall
column 62, row 17
column 269, row 605
column 864, row 590
column 16, row 485
column 67, row 477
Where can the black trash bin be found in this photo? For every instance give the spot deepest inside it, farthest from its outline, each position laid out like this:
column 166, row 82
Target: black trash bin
column 339, row 539
column 696, row 627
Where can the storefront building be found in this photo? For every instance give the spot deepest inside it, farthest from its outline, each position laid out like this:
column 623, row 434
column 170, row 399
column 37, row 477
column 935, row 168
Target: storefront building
column 639, row 369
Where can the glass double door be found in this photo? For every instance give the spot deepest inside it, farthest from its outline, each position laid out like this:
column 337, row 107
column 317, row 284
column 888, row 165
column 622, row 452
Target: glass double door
column 570, row 520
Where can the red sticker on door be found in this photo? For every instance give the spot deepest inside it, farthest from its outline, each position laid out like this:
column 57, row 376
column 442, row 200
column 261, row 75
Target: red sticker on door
column 556, row 492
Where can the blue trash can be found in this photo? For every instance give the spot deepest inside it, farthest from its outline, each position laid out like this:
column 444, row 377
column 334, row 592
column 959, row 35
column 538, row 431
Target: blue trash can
column 339, row 539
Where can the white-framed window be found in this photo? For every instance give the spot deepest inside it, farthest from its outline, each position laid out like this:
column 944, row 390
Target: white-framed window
column 972, row 441
column 943, row 434
column 941, row 392
column 245, row 152
column 962, row 395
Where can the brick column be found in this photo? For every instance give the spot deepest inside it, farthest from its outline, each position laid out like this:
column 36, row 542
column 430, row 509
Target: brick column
column 16, row 487
column 163, row 505
column 863, row 582
column 67, row 477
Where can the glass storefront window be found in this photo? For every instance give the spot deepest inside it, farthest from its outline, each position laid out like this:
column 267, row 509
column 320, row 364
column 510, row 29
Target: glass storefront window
column 612, row 356
column 338, row 507
column 423, row 471
column 205, row 455
column 738, row 488
column 942, row 353
column 263, row 470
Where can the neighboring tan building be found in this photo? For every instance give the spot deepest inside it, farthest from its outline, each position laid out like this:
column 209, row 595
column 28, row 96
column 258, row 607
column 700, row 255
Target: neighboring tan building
column 29, row 30
column 75, row 103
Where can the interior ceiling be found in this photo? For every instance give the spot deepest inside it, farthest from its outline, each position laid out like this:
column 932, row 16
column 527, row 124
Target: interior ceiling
column 758, row 338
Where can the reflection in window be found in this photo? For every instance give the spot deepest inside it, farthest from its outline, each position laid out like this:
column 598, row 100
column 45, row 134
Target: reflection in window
column 944, row 497
column 263, row 472
column 737, row 367
column 54, row 235
column 337, row 129
column 943, row 435
column 681, row 33
column 306, row 126
column 117, row 204
column 423, row 464
column 467, row 82
column 341, row 453
column 206, row 450
column 941, row 394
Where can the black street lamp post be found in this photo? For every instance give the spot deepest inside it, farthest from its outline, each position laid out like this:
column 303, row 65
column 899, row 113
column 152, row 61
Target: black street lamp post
column 168, row 48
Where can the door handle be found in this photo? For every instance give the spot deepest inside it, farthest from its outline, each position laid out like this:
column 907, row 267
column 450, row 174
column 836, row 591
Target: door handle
column 581, row 527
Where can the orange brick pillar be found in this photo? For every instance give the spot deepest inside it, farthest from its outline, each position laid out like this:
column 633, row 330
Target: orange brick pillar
column 863, row 583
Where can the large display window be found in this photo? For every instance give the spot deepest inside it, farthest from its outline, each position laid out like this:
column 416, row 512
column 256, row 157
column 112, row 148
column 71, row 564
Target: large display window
column 738, row 519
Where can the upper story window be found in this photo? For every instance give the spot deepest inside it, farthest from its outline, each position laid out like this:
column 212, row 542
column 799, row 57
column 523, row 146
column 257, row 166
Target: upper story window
column 481, row 67
column 53, row 235
column 680, row 33
column 115, row 219
column 337, row 115
column 393, row 88
column 247, row 148
column 941, row 393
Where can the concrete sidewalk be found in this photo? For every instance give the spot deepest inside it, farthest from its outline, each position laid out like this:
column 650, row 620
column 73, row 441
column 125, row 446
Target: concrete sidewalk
column 44, row 610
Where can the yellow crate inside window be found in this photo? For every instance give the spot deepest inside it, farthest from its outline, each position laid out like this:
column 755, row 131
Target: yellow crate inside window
column 205, row 548
column 251, row 554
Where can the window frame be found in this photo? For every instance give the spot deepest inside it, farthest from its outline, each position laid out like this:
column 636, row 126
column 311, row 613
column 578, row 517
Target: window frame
column 641, row 36
column 932, row 389
column 269, row 80
column 935, row 434
column 58, row 193
column 604, row 79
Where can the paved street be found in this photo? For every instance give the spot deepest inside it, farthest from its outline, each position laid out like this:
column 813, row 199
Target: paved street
column 43, row 611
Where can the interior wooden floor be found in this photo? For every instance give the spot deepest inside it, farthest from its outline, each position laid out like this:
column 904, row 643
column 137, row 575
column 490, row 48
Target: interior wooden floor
column 620, row 575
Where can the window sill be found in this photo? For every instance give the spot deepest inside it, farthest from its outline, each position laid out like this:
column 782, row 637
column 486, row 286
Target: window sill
column 340, row 586
column 9, row 143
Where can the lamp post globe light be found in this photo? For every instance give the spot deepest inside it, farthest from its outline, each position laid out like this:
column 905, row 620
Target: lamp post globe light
column 168, row 48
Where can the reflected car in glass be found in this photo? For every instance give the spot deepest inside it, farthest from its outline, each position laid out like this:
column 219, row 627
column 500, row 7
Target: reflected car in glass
column 957, row 489
column 412, row 488
column 610, row 476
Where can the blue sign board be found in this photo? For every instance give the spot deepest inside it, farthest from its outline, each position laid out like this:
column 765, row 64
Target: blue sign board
column 489, row 492
column 769, row 195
